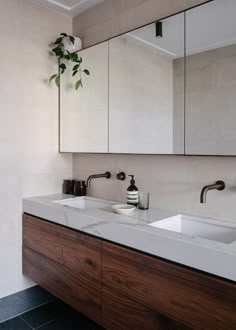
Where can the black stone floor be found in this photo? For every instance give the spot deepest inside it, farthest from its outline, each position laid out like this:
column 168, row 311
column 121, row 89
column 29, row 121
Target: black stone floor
column 53, row 316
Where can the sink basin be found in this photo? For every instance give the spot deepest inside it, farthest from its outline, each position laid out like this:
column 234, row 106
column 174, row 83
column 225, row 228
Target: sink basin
column 85, row 202
column 199, row 227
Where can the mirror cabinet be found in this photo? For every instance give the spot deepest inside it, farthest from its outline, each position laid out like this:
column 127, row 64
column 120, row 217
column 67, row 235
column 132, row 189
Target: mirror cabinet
column 210, row 114
column 144, row 115
column 166, row 88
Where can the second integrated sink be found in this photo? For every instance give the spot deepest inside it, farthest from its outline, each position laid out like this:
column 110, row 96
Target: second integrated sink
column 85, row 202
column 199, row 227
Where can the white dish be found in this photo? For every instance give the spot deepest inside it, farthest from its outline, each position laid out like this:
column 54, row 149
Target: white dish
column 123, row 208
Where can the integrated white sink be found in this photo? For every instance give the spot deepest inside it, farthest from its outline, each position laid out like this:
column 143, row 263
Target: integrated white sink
column 85, row 202
column 210, row 229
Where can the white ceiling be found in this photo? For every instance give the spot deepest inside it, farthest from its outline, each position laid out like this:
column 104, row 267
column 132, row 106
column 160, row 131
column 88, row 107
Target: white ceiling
column 171, row 44
column 209, row 26
column 68, row 7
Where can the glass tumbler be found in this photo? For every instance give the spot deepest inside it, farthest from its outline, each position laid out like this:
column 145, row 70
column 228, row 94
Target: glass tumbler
column 143, row 200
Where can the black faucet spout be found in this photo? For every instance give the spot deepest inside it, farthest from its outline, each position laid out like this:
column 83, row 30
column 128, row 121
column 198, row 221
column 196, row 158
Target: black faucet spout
column 106, row 175
column 219, row 185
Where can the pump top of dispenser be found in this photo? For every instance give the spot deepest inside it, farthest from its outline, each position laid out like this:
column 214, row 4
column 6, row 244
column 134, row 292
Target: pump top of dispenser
column 132, row 181
column 132, row 186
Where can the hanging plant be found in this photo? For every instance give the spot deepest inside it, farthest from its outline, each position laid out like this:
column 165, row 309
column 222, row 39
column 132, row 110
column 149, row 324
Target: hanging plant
column 64, row 56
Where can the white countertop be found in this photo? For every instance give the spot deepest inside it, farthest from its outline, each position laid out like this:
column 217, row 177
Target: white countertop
column 133, row 231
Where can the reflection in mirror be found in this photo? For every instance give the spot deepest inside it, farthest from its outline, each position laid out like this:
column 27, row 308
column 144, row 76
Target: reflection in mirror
column 84, row 113
column 146, row 89
column 211, row 79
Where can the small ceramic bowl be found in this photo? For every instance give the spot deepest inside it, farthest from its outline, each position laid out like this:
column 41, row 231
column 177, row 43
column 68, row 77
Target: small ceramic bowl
column 123, row 208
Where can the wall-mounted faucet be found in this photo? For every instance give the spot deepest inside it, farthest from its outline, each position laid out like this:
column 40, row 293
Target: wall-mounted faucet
column 106, row 175
column 219, row 185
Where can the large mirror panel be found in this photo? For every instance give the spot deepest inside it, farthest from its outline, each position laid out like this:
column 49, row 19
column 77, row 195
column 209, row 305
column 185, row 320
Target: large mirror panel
column 84, row 113
column 146, row 89
column 211, row 79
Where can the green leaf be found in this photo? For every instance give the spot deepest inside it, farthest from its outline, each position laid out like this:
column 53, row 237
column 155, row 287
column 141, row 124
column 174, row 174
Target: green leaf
column 76, row 67
column 52, row 77
column 74, row 73
column 62, row 71
column 77, row 59
column 62, row 66
column 67, row 57
column 58, row 41
column 63, row 34
column 55, row 50
column 78, row 84
column 72, row 39
column 87, row 72
column 57, row 80
column 74, row 57
column 58, row 51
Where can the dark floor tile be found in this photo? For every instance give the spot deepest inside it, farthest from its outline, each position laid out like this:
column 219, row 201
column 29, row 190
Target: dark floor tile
column 23, row 301
column 15, row 324
column 57, row 325
column 68, row 324
column 78, row 320
column 43, row 314
column 70, row 319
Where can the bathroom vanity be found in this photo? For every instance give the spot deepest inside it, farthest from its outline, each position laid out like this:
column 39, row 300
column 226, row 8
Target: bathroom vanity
column 115, row 269
column 172, row 91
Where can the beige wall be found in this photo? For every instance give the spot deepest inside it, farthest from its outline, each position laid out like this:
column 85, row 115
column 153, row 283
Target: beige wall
column 29, row 161
column 174, row 182
column 113, row 17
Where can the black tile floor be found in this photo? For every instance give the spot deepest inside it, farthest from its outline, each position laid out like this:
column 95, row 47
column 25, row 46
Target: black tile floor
column 53, row 316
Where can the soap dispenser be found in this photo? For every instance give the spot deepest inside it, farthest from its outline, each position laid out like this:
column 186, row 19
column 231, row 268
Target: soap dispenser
column 132, row 193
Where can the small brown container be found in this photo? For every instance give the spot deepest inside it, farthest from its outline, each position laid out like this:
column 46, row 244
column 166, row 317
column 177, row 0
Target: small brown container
column 68, row 187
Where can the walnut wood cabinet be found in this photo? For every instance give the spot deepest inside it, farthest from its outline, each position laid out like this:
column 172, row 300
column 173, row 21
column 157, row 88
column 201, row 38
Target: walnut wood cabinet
column 65, row 262
column 191, row 298
column 121, row 288
column 63, row 282
column 120, row 312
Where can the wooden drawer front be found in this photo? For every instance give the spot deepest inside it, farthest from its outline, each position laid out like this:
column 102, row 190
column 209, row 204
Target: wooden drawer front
column 72, row 249
column 119, row 312
column 197, row 300
column 63, row 283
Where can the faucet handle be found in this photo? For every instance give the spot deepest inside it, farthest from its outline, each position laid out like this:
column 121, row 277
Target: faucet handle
column 121, row 176
column 107, row 175
column 221, row 185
